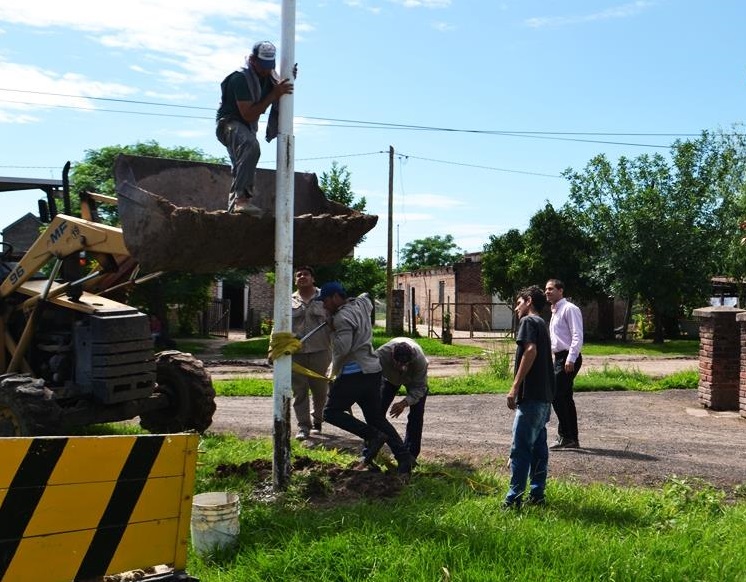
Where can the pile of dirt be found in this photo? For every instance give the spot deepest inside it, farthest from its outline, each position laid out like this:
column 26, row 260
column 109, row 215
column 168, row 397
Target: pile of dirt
column 321, row 483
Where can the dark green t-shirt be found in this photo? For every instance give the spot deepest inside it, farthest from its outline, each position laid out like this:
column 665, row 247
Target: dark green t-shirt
column 235, row 87
column 539, row 382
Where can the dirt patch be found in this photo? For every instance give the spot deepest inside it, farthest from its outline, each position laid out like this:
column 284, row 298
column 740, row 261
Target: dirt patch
column 321, row 483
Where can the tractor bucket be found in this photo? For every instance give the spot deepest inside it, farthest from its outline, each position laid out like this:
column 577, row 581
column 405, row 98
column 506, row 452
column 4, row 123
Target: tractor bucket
column 174, row 218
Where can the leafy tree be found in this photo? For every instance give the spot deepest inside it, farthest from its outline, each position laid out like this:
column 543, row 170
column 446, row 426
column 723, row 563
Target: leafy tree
column 656, row 225
column 357, row 275
column 501, row 273
column 337, row 186
column 432, row 251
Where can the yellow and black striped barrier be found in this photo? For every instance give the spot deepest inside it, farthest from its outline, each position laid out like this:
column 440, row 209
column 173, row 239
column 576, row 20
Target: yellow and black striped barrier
column 75, row 508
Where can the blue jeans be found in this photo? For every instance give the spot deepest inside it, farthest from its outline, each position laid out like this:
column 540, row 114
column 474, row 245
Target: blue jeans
column 529, row 454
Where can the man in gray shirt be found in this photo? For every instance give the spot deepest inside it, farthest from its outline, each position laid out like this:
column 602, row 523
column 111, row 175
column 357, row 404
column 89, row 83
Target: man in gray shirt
column 404, row 364
column 357, row 377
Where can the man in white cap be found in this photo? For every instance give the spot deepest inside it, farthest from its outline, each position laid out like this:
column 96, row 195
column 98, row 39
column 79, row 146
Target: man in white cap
column 245, row 95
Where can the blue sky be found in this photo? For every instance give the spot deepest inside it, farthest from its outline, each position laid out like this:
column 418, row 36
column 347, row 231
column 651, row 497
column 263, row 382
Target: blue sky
column 504, row 94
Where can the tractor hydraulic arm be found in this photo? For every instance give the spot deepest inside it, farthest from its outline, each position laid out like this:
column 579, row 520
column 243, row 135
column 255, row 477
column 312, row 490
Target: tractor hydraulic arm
column 64, row 236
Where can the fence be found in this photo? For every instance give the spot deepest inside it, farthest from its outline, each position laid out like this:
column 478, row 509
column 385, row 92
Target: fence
column 480, row 320
column 216, row 318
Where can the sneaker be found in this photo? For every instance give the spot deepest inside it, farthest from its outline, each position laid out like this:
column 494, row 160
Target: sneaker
column 372, row 446
column 242, row 205
column 563, row 443
column 316, row 428
column 302, row 435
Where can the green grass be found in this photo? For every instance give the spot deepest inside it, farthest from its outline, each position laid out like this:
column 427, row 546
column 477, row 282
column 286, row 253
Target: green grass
column 487, row 382
column 447, row 525
column 642, row 348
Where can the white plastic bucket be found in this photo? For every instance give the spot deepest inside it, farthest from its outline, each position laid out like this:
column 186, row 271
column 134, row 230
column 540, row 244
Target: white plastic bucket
column 214, row 524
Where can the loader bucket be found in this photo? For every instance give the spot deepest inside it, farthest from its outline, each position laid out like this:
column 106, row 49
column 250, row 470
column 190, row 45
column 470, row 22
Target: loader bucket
column 174, row 218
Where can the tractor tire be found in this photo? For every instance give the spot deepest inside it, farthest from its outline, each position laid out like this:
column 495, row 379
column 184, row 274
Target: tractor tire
column 23, row 409
column 188, row 386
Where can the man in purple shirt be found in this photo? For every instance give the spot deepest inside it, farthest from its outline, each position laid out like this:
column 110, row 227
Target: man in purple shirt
column 566, row 333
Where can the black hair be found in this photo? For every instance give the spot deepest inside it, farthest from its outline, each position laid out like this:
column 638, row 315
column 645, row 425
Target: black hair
column 535, row 293
column 557, row 284
column 306, row 268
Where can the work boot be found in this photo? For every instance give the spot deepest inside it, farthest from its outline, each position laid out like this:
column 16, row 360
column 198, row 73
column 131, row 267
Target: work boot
column 243, row 205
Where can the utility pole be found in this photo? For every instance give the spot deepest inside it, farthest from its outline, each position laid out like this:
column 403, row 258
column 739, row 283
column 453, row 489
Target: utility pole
column 390, row 249
column 284, row 211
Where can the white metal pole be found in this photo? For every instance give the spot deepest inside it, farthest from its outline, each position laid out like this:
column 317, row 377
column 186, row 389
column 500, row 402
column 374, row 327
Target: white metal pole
column 284, row 204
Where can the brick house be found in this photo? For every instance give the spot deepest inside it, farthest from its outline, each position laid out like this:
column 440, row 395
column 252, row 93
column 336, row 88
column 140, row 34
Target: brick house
column 22, row 233
column 456, row 289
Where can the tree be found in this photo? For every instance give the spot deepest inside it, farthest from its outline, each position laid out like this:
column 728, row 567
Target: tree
column 432, row 251
column 656, row 225
column 337, row 186
column 501, row 273
column 358, row 275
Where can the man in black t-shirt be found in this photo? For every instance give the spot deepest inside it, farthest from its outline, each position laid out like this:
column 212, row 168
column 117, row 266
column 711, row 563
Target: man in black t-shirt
column 531, row 397
column 245, row 95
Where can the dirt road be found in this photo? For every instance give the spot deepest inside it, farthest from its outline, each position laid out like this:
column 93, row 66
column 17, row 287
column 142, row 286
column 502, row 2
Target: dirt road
column 627, row 437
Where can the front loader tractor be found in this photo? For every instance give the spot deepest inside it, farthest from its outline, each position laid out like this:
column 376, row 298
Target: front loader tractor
column 71, row 355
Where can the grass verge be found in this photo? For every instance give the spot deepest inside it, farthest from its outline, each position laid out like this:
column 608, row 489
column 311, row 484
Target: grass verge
column 447, row 525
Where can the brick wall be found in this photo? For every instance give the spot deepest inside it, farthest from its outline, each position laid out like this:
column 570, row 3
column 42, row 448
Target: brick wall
column 741, row 319
column 720, row 349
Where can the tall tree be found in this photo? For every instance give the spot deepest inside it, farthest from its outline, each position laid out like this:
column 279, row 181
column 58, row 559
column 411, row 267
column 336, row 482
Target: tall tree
column 431, row 251
column 655, row 224
column 337, row 185
column 502, row 269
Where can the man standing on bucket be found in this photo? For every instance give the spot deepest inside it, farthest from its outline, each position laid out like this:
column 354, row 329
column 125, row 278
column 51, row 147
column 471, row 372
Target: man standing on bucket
column 245, row 96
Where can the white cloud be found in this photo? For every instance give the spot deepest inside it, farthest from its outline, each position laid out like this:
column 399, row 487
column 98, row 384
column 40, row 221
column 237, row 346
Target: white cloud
column 443, row 26
column 423, row 3
column 21, row 82
column 615, row 12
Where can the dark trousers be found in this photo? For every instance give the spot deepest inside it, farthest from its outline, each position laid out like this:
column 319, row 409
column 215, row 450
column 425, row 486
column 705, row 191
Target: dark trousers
column 415, row 418
column 564, row 404
column 365, row 391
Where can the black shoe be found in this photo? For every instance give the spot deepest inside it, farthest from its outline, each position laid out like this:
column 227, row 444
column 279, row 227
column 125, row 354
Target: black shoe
column 404, row 465
column 563, row 443
column 538, row 501
column 514, row 505
column 372, row 446
column 316, row 428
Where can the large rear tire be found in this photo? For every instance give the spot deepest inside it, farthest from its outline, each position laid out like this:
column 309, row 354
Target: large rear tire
column 188, row 386
column 23, row 409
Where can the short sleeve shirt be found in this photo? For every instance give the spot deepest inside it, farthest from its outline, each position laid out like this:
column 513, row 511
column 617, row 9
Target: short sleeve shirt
column 539, row 382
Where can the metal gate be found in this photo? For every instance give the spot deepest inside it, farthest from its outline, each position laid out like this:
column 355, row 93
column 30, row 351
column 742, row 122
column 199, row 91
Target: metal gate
column 216, row 318
column 472, row 320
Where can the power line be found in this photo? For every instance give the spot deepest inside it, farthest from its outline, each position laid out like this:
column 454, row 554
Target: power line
column 351, row 123
column 527, row 173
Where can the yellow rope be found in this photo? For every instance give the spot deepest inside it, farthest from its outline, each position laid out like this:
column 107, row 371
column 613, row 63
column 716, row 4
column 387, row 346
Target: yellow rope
column 286, row 344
